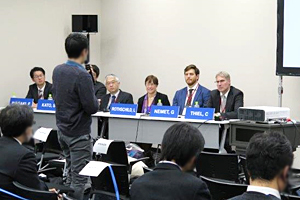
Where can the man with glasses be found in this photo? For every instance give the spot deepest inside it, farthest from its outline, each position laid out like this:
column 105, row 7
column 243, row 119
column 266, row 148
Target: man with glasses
column 41, row 88
column 115, row 95
column 226, row 99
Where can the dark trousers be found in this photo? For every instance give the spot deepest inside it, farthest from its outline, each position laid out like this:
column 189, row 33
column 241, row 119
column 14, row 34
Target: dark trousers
column 78, row 152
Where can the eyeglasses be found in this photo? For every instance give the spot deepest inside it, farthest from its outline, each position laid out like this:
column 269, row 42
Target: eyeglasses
column 113, row 82
column 220, row 81
column 40, row 76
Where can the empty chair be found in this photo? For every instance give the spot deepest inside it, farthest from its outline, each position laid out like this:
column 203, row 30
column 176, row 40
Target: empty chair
column 33, row 194
column 51, row 150
column 219, row 166
column 103, row 184
column 220, row 190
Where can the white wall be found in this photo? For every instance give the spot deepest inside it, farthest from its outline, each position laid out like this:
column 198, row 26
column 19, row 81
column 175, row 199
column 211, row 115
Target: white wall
column 161, row 37
column 32, row 33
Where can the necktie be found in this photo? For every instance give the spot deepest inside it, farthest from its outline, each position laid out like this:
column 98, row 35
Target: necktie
column 223, row 104
column 189, row 100
column 113, row 100
column 40, row 96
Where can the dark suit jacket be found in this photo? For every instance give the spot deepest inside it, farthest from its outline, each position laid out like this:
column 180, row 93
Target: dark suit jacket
column 202, row 96
column 168, row 182
column 254, row 195
column 33, row 92
column 100, row 89
column 163, row 97
column 17, row 163
column 123, row 97
column 235, row 99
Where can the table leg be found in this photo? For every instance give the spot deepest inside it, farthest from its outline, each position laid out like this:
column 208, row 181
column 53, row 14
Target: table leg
column 223, row 139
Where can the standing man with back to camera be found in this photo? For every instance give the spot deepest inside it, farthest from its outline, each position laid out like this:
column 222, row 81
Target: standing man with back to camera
column 75, row 101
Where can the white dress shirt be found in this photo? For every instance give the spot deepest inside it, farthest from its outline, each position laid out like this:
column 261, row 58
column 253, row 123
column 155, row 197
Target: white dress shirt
column 110, row 98
column 264, row 190
column 41, row 89
column 170, row 162
column 195, row 88
column 18, row 141
column 222, row 96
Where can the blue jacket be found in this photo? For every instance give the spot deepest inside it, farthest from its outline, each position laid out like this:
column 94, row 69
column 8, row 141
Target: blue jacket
column 202, row 96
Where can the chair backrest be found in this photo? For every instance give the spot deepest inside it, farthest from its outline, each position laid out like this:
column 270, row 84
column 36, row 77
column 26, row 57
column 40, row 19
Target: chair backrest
column 289, row 197
column 244, row 167
column 104, row 181
column 52, row 145
column 220, row 166
column 33, row 194
column 223, row 190
column 116, row 153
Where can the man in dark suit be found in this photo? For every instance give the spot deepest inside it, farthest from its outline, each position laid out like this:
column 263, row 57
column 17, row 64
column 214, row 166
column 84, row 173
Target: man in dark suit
column 100, row 89
column 17, row 163
column 269, row 158
column 41, row 89
column 170, row 180
column 115, row 95
column 227, row 99
column 194, row 92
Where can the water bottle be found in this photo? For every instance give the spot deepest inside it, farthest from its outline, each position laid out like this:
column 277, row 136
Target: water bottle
column 13, row 95
column 159, row 103
column 50, row 97
column 196, row 105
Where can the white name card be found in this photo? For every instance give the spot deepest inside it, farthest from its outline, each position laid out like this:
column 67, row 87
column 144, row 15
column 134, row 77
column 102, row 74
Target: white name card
column 42, row 134
column 93, row 168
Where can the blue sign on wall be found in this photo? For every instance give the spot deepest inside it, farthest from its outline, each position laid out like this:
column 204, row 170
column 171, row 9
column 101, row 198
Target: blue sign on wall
column 21, row 101
column 164, row 111
column 123, row 109
column 200, row 113
column 44, row 104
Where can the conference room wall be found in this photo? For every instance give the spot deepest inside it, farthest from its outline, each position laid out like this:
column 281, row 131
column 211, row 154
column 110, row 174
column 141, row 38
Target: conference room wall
column 161, row 37
column 33, row 34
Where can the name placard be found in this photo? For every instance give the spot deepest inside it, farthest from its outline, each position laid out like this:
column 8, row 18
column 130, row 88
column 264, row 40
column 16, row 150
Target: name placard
column 123, row 109
column 200, row 113
column 21, row 101
column 44, row 104
column 164, row 111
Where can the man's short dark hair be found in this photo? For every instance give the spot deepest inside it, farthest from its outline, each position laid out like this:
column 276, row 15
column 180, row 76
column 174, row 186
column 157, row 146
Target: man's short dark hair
column 96, row 70
column 15, row 119
column 75, row 43
column 189, row 67
column 182, row 142
column 267, row 154
column 36, row 69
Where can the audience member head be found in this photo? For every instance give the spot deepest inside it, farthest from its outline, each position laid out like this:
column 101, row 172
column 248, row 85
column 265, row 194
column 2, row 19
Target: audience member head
column 151, row 83
column 223, row 82
column 269, row 157
column 76, row 46
column 181, row 144
column 16, row 121
column 112, row 83
column 191, row 75
column 37, row 75
column 95, row 71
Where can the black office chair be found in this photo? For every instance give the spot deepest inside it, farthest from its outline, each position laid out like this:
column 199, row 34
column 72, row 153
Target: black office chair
column 103, row 188
column 289, row 197
column 51, row 150
column 221, row 190
column 218, row 166
column 244, row 169
column 33, row 194
column 117, row 154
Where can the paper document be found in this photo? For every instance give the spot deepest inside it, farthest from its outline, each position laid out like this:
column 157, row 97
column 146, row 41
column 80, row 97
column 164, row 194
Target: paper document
column 93, row 168
column 101, row 146
column 42, row 134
